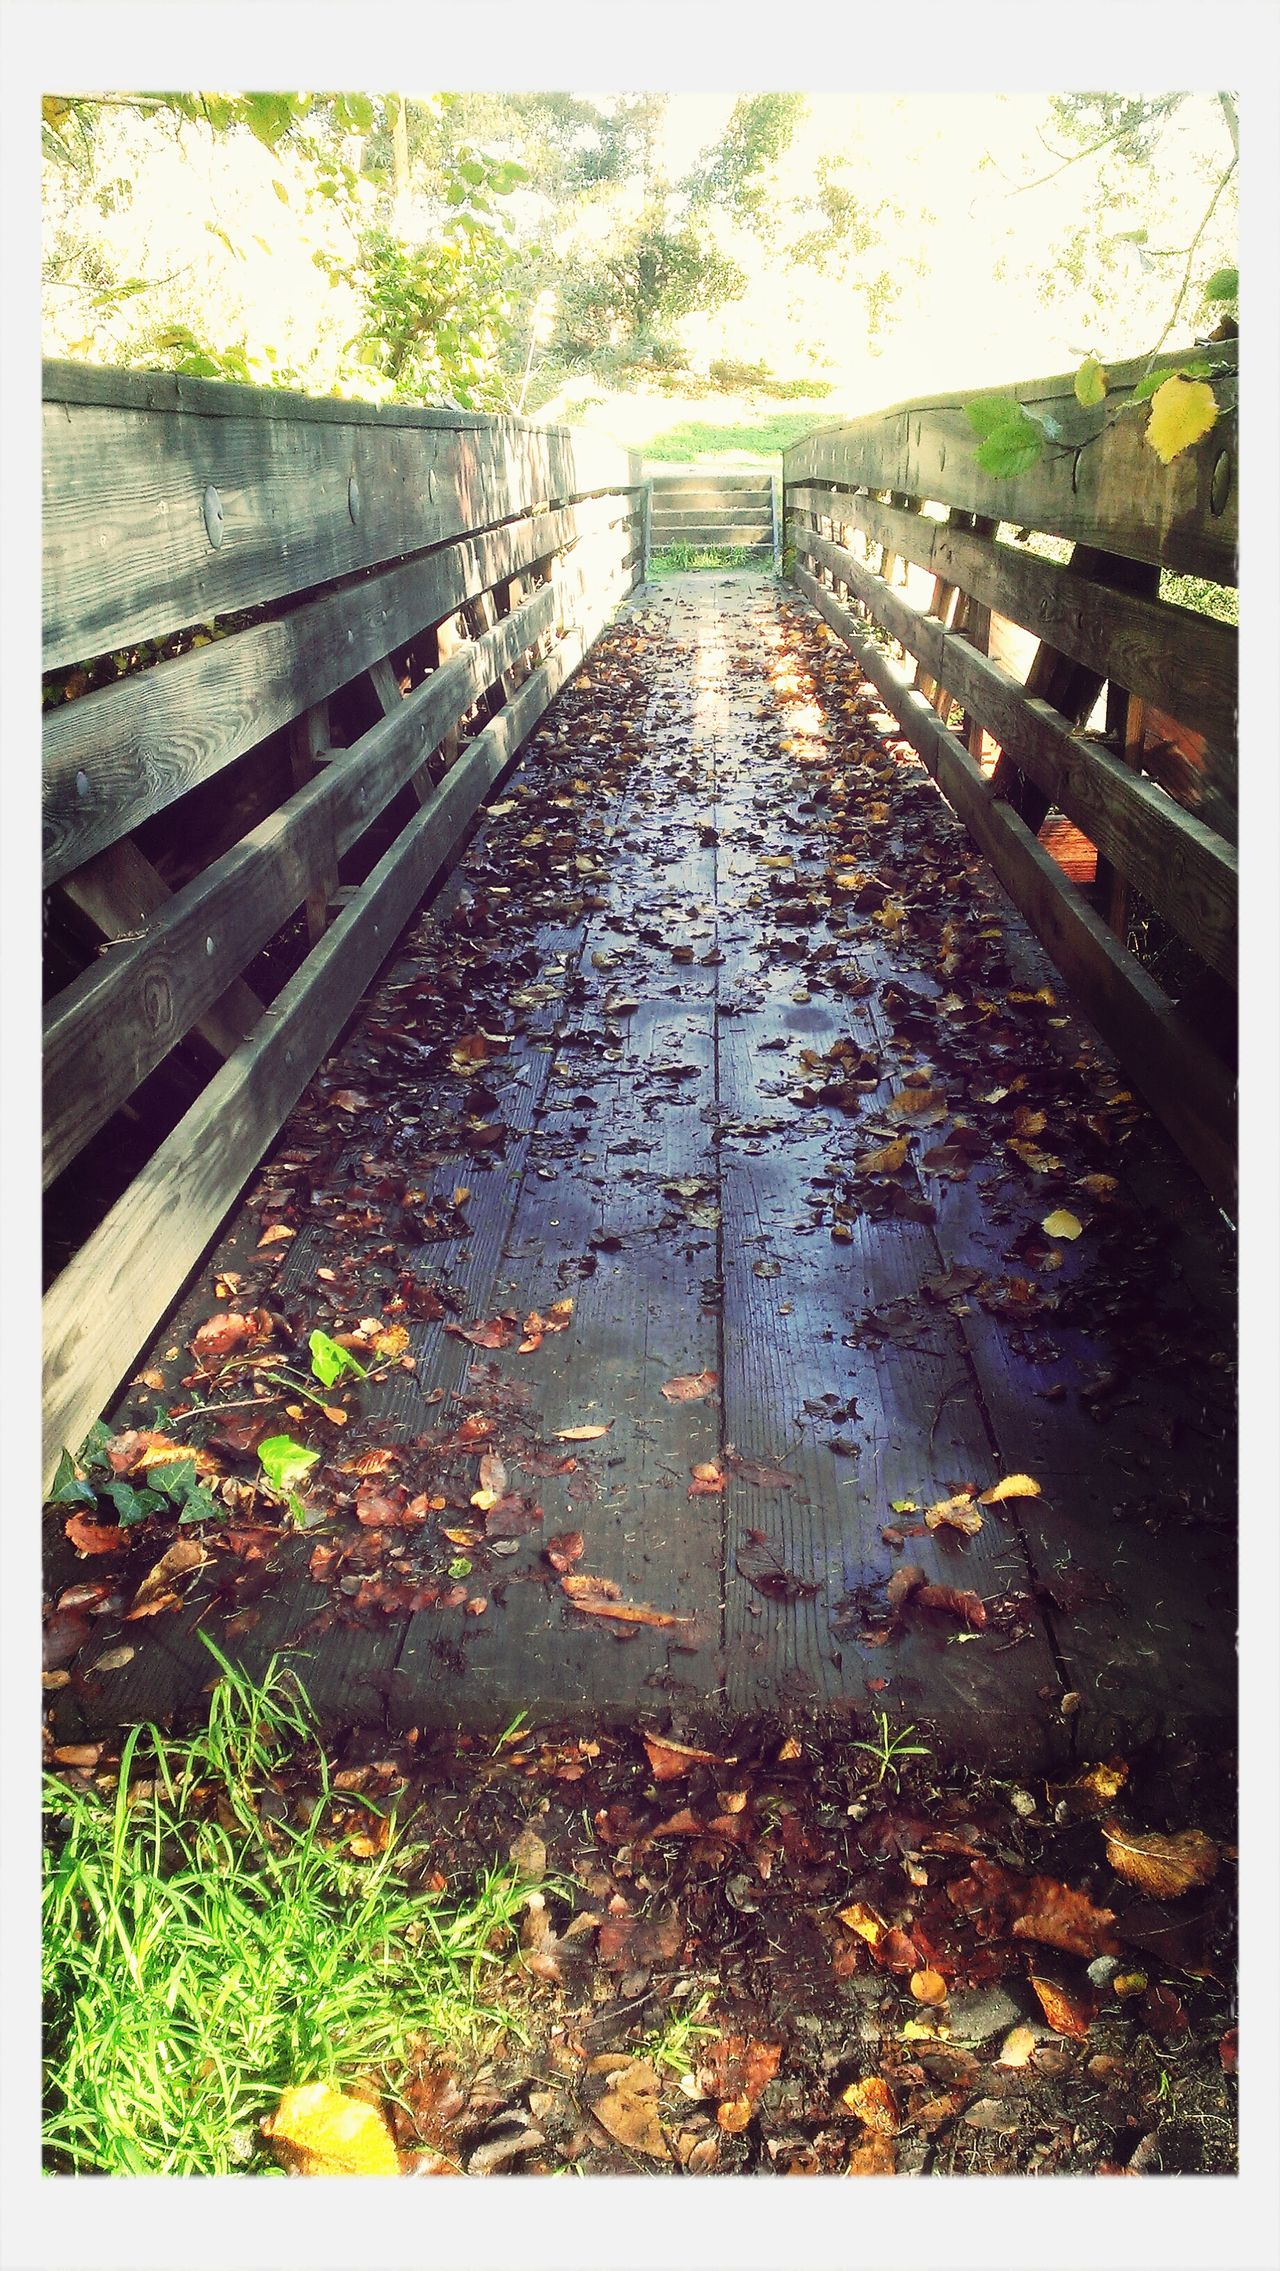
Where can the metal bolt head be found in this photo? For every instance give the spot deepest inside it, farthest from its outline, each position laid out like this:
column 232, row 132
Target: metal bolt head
column 1220, row 482
column 353, row 498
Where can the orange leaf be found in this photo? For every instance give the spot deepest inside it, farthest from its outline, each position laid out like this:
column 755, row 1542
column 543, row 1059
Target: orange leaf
column 1062, row 1918
column 690, row 1387
column 928, row 1987
column 1164, row 1867
column 873, row 2102
column 670, row 1760
column 600, row 1597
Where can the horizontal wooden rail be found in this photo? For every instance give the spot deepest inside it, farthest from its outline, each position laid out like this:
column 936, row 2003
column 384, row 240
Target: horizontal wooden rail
column 1188, row 663
column 1182, row 867
column 115, row 757
column 99, row 1312
column 115, row 1023
column 1098, row 483
column 1186, row 1085
column 166, row 509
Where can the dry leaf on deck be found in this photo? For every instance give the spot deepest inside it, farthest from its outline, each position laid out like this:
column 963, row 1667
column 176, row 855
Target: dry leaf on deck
column 1164, row 1867
column 958, row 1513
column 690, row 1387
column 873, row 2102
column 600, row 1597
column 627, row 2108
column 1009, row 1486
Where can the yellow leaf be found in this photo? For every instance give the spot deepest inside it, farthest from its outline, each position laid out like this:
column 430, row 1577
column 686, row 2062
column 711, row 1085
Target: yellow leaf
column 864, row 1921
column 1163, row 1867
column 1091, row 382
column 321, row 2132
column 1060, row 1224
column 957, row 1513
column 887, row 1161
column 1182, row 410
column 1018, row 2046
column 1010, row 1486
column 873, row 2103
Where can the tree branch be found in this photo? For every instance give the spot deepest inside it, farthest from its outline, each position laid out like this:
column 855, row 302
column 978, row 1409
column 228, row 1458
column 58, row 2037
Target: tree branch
column 1192, row 249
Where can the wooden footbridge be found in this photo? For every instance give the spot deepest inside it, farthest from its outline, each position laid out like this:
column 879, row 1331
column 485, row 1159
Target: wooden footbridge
column 773, row 1217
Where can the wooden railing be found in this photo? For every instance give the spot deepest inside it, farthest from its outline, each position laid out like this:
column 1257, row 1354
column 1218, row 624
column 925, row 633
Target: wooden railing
column 897, row 531
column 430, row 579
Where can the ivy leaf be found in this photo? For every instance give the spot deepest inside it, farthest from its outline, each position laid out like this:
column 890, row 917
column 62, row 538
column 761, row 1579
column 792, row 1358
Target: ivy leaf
column 285, row 1462
column 329, row 1361
column 1224, row 284
column 1090, row 383
column 69, row 1488
column 1182, row 411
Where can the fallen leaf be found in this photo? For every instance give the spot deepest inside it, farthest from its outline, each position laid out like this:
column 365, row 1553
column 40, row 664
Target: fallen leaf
column 928, row 1987
column 490, row 1332
column 957, row 1513
column 229, row 1330
column 1163, row 1866
column 888, row 1160
column 114, row 1660
column 690, row 1387
column 1067, row 2010
column 760, row 1473
column 1009, row 1486
column 581, row 1434
column 276, row 1235
column 1017, row 2048
column 1061, row 1917
column 156, row 1588
column 319, row 2131
column 141, row 1447
column 873, row 2103
column 903, row 1583
column 669, row 1760
column 708, row 1480
column 877, row 2155
column 1061, row 1224
column 757, row 1561
column 627, row 2108
column 93, row 1537
column 966, row 1606
column 563, row 1550
column 865, row 1922
column 600, row 1597
column 734, row 2070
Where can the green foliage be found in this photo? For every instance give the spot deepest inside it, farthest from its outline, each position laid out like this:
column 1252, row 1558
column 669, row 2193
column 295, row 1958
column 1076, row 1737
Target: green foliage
column 1224, row 284
column 764, row 438
column 1011, row 438
column 210, row 1939
column 329, row 1360
column 686, row 559
column 284, row 1462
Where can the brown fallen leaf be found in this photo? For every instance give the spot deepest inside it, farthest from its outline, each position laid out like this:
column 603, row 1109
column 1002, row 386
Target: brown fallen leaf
column 156, row 1589
column 760, row 1473
column 690, row 1387
column 627, row 2106
column 600, row 1597
column 1060, row 1917
column 229, row 1330
column 319, row 2131
column 1069, row 2010
column 1163, row 1866
column 734, row 2070
column 141, row 1447
column 581, row 1434
column 114, row 1660
column 276, row 1235
column 966, row 1606
column 877, row 2155
column 490, row 1332
column 1010, row 1486
column 669, row 1760
column 93, row 1537
column 903, row 1583
column 707, row 1480
column 563, row 1550
column 513, row 1516
column 761, row 1565
column 890, row 1159
column 351, row 1100
column 873, row 2103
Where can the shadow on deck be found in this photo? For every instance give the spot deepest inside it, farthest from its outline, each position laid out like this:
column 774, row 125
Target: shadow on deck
column 722, row 1032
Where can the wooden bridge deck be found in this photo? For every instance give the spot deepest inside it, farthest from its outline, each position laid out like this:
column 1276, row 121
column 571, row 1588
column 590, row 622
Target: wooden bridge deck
column 737, row 945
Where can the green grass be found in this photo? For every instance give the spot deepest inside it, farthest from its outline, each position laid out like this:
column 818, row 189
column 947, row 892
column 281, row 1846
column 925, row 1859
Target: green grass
column 763, row 437
column 201, row 1953
column 684, row 559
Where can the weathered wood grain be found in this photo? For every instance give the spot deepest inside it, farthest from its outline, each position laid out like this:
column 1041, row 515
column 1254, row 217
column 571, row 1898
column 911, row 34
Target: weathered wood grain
column 1100, row 484
column 114, row 757
column 107, row 1030
column 1188, row 1088
column 157, row 519
column 1183, row 867
column 121, row 892
column 1169, row 654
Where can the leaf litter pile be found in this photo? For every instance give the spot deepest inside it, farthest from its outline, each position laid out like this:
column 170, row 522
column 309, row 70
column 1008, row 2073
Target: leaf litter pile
column 344, row 1432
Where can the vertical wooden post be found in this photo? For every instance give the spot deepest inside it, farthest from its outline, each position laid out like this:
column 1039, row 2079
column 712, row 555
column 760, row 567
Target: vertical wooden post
column 308, row 735
column 646, row 529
